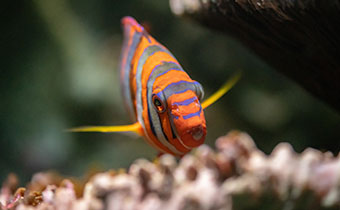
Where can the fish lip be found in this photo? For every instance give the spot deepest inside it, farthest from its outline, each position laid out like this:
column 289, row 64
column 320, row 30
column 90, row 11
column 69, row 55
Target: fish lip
column 198, row 133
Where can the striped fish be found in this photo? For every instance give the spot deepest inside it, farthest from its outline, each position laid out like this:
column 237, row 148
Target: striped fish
column 161, row 98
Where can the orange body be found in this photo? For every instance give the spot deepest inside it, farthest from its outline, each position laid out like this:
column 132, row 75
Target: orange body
column 151, row 74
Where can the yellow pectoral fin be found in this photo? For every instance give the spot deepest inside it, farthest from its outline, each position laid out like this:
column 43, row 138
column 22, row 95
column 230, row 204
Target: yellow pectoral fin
column 136, row 128
column 223, row 90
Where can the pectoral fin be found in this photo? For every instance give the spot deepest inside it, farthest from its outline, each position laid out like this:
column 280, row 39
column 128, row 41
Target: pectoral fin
column 223, row 90
column 136, row 128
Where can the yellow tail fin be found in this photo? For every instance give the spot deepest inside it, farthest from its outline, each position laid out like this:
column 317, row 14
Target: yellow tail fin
column 136, row 128
column 223, row 90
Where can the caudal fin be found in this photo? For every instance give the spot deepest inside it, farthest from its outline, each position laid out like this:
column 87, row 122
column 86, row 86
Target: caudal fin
column 136, row 128
column 223, row 90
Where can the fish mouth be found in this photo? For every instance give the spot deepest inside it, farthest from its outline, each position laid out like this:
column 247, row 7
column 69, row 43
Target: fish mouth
column 197, row 132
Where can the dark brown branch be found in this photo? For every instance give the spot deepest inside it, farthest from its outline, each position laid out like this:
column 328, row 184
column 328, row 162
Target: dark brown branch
column 300, row 38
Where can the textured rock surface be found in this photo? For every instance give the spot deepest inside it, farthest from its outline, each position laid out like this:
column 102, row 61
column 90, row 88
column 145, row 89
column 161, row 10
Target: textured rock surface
column 235, row 176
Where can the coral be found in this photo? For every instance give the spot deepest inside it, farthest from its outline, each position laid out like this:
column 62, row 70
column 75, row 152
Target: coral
column 235, row 176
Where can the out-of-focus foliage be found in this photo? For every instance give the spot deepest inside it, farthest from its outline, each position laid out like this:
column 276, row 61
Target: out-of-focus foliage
column 59, row 69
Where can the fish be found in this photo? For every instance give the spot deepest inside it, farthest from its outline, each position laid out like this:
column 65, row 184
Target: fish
column 162, row 100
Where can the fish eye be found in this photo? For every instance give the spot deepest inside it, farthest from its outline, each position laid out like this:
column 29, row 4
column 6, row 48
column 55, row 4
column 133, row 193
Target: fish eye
column 157, row 102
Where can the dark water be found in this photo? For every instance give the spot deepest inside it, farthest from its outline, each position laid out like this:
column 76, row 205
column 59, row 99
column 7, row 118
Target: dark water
column 59, row 69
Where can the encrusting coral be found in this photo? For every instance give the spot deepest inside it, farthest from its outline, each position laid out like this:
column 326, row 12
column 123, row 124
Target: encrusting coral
column 236, row 176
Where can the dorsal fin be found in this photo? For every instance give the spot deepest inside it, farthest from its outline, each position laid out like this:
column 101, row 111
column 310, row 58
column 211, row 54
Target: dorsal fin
column 131, row 22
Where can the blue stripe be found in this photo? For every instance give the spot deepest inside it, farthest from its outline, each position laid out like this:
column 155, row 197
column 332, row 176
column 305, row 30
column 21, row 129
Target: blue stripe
column 163, row 63
column 176, row 83
column 126, row 68
column 188, row 115
column 193, row 114
column 153, row 127
column 178, row 69
column 185, row 102
column 160, row 74
column 151, row 123
column 154, row 119
column 147, row 53
column 173, row 116
column 182, row 91
column 146, row 35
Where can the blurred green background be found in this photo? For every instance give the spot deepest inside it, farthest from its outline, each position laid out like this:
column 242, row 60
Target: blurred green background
column 59, row 69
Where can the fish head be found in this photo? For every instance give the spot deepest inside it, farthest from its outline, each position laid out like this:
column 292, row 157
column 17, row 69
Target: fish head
column 185, row 113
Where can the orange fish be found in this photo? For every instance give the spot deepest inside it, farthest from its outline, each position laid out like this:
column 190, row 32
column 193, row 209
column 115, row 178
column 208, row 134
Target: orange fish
column 161, row 98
